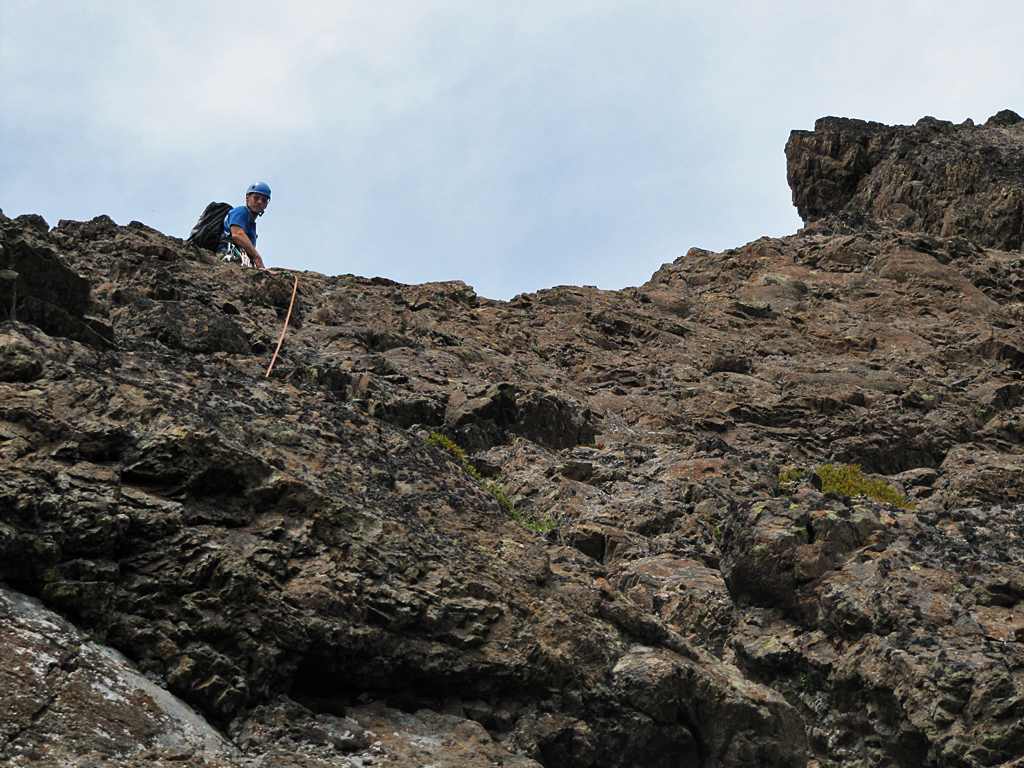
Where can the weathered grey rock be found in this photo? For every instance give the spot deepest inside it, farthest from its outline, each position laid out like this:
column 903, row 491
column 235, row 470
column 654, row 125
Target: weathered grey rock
column 69, row 700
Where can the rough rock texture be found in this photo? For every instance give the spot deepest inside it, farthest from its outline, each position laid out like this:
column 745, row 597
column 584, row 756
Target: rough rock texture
column 292, row 559
column 63, row 692
column 948, row 180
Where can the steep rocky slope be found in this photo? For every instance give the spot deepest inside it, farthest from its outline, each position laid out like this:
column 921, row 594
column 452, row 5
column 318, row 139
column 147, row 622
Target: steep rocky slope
column 297, row 561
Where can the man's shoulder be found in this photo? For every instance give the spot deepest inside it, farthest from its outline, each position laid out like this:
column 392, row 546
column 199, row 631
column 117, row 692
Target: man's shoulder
column 240, row 215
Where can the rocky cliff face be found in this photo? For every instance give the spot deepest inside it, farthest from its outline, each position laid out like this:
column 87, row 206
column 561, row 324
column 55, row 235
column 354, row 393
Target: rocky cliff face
column 294, row 572
column 933, row 177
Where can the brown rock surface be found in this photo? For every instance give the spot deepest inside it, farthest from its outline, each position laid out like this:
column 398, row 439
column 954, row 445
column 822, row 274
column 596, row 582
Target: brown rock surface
column 291, row 558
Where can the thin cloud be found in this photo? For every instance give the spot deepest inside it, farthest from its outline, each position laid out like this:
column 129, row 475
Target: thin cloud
column 512, row 147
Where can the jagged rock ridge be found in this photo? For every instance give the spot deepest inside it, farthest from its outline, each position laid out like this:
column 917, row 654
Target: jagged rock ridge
column 933, row 177
column 293, row 560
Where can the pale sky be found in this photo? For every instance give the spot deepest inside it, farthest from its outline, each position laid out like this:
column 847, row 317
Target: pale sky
column 513, row 146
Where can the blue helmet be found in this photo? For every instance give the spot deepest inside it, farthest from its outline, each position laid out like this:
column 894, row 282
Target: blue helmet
column 260, row 188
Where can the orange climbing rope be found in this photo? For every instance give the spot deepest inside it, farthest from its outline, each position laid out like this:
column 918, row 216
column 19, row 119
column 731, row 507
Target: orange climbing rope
column 283, row 330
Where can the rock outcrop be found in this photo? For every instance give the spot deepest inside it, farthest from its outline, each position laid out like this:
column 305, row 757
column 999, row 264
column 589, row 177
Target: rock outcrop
column 934, row 177
column 634, row 563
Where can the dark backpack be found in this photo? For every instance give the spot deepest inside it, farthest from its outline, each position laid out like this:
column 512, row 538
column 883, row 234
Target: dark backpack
column 208, row 230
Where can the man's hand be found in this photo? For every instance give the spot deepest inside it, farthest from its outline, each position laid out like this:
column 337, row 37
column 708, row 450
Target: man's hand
column 242, row 240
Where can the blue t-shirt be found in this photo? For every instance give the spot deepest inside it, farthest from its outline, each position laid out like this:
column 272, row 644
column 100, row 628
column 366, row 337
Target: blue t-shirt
column 239, row 217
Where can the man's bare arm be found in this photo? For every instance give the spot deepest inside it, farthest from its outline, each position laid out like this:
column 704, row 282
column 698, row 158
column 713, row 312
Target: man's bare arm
column 242, row 240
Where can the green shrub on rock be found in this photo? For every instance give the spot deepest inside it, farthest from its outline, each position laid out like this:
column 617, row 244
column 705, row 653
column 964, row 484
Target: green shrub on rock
column 847, row 480
column 445, row 443
column 497, row 490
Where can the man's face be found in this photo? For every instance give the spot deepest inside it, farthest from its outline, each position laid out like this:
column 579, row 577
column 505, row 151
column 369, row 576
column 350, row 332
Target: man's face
column 256, row 202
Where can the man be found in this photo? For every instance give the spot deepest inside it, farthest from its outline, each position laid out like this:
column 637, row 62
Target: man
column 238, row 239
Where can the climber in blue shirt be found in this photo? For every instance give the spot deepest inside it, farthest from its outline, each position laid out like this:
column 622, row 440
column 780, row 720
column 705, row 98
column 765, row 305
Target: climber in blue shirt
column 238, row 239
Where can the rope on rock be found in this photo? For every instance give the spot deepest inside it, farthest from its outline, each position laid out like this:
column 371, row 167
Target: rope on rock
column 283, row 330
